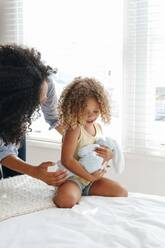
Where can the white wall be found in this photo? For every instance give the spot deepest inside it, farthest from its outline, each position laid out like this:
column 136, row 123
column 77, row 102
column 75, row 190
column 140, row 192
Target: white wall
column 142, row 174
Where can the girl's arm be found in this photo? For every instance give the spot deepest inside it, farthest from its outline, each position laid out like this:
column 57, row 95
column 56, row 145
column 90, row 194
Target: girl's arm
column 67, row 155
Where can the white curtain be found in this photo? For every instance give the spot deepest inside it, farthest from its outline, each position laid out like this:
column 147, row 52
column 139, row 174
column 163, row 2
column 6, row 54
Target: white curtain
column 11, row 21
column 144, row 77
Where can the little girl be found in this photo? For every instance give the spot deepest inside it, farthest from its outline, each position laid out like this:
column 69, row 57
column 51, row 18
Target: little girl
column 80, row 104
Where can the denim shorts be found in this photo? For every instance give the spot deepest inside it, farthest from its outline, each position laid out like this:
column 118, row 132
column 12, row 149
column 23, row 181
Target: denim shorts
column 84, row 188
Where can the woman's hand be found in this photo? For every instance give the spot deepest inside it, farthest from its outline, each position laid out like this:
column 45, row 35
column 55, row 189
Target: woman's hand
column 51, row 178
column 104, row 152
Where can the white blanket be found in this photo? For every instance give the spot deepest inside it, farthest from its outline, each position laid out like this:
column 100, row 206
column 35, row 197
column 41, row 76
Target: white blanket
column 96, row 222
column 23, row 194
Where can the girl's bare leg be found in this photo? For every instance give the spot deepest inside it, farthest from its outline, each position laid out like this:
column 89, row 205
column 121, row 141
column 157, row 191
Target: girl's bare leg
column 107, row 187
column 67, row 195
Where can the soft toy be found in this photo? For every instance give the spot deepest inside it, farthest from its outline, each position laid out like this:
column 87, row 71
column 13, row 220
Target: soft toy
column 92, row 162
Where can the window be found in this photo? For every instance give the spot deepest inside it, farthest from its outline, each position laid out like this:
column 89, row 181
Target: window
column 144, row 78
column 79, row 37
column 11, row 21
column 82, row 37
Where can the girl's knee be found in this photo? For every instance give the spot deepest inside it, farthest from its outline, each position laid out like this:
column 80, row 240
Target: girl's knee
column 125, row 193
column 65, row 202
column 122, row 192
column 67, row 195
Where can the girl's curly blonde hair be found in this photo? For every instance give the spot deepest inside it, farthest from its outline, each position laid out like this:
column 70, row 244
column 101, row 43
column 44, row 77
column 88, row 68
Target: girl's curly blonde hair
column 72, row 102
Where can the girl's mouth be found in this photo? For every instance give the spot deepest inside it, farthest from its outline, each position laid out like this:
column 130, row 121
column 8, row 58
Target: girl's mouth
column 91, row 121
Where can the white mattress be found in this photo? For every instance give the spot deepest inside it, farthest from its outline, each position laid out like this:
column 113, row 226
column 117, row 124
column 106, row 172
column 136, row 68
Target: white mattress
column 134, row 222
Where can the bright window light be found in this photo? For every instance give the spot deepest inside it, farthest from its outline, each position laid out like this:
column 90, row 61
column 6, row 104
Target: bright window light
column 80, row 38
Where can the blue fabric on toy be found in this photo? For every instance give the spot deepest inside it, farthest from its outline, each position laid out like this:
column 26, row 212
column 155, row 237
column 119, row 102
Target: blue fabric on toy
column 92, row 162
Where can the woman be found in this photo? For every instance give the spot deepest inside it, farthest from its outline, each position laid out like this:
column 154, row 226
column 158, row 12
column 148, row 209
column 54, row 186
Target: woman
column 25, row 83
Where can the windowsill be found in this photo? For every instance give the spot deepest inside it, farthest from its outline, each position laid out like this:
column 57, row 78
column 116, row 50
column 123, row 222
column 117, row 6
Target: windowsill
column 43, row 144
column 139, row 155
column 49, row 139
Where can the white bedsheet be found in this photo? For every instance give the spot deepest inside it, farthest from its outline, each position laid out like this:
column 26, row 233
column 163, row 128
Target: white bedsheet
column 134, row 222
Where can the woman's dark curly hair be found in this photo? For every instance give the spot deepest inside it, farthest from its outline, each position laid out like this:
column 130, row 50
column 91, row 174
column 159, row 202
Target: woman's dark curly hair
column 73, row 100
column 21, row 76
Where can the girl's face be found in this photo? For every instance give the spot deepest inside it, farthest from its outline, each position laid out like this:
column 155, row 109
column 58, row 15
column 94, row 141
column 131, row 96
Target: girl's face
column 92, row 111
column 43, row 92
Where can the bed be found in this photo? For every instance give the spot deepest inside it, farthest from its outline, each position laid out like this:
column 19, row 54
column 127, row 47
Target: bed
column 29, row 219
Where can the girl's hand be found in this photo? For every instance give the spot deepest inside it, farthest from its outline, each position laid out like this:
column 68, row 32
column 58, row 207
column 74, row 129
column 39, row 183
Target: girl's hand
column 51, row 178
column 98, row 174
column 104, row 152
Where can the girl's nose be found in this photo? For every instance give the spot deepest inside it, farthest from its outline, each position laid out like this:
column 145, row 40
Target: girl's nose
column 90, row 114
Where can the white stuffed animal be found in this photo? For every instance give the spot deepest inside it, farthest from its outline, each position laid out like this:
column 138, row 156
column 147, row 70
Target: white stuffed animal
column 92, row 162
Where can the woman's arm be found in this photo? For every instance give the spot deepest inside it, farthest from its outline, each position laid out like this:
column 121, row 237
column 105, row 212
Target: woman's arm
column 49, row 107
column 67, row 155
column 39, row 172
